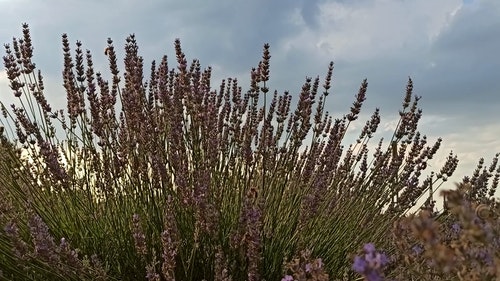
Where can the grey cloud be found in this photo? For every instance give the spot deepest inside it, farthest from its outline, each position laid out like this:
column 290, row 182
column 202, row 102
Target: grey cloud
column 466, row 62
column 309, row 12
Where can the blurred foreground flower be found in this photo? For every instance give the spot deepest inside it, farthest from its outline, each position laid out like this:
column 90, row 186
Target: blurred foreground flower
column 371, row 264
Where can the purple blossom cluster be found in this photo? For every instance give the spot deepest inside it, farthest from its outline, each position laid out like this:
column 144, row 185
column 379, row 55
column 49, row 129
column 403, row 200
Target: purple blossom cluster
column 371, row 264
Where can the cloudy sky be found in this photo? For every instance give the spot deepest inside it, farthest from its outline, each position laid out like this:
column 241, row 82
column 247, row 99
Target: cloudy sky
column 450, row 48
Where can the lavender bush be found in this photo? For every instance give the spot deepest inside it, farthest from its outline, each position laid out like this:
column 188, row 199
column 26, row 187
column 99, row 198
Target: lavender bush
column 167, row 178
column 460, row 243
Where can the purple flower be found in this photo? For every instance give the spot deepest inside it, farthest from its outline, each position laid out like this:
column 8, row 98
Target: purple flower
column 376, row 260
column 287, row 278
column 308, row 267
column 371, row 264
column 485, row 256
column 417, row 249
column 369, row 248
column 373, row 276
column 455, row 228
column 42, row 239
column 359, row 264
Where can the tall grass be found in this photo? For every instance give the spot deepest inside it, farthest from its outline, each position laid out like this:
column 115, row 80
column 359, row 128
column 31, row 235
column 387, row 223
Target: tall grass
column 168, row 178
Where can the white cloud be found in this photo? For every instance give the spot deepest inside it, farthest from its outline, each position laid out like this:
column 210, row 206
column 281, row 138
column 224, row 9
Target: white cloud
column 6, row 95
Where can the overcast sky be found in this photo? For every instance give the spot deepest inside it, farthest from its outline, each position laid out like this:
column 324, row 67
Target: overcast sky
column 450, row 48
